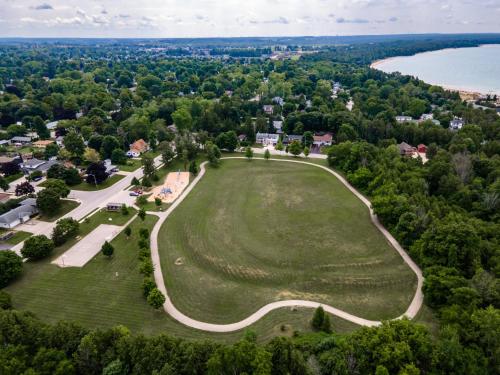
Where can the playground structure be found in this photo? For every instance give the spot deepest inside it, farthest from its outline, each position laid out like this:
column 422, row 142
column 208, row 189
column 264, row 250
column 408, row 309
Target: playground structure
column 174, row 184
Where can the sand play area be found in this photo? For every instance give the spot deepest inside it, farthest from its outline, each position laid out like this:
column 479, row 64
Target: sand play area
column 174, row 184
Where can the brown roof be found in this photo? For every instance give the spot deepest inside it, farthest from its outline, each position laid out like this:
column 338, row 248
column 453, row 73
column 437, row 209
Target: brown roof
column 323, row 138
column 140, row 145
column 42, row 143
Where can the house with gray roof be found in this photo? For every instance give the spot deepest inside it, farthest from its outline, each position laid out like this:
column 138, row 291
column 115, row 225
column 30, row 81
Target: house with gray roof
column 20, row 140
column 19, row 215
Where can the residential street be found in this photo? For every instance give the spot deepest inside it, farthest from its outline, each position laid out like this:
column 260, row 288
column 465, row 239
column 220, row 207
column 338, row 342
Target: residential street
column 89, row 201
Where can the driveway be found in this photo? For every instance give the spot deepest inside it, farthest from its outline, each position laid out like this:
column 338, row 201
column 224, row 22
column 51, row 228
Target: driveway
column 88, row 247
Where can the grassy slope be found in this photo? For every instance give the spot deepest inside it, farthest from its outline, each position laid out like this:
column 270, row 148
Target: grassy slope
column 254, row 232
column 96, row 297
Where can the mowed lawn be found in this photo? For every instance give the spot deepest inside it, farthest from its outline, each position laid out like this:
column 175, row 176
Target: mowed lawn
column 97, row 297
column 254, row 232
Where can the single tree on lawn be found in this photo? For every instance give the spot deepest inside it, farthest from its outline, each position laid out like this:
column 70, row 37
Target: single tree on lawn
column 64, row 230
column 267, row 154
column 135, row 181
column 158, row 202
column 128, row 231
column 24, row 188
column 306, row 151
column 295, row 148
column 107, row 249
column 213, row 154
column 193, row 167
column 58, row 186
column 118, row 156
column 318, row 318
column 4, row 185
column 279, row 146
column 156, row 298
column 326, row 326
column 71, row 176
column 37, row 247
column 148, row 166
column 48, row 201
column 11, row 266
column 249, row 153
column 124, row 210
column 96, row 173
column 142, row 214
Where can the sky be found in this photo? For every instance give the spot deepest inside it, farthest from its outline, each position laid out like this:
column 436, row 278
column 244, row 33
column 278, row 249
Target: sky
column 232, row 18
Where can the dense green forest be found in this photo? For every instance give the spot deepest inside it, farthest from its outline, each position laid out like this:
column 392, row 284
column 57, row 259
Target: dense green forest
column 445, row 212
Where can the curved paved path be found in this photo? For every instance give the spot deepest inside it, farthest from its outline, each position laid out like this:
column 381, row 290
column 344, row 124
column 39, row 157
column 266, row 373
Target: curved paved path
column 170, row 309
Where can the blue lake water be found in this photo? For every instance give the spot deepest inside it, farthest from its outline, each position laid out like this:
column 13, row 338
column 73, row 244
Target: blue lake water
column 472, row 69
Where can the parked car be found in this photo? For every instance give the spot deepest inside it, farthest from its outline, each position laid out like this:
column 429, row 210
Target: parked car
column 133, row 194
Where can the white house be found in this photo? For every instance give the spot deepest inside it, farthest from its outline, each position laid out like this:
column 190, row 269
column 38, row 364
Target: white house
column 322, row 140
column 19, row 214
column 457, row 123
column 402, row 119
column 267, row 139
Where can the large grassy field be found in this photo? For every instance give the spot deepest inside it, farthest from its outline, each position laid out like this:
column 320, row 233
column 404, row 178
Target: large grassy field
column 255, row 232
column 96, row 297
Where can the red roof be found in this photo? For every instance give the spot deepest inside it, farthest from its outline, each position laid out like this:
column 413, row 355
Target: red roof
column 140, row 146
column 323, row 138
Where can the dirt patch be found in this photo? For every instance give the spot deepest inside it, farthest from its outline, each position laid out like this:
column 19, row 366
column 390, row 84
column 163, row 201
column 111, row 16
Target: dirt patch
column 172, row 187
column 289, row 294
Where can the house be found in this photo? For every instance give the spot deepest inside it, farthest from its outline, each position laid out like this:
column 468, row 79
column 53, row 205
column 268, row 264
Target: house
column 457, row 123
column 137, row 148
column 290, row 138
column 34, row 164
column 406, row 150
column 279, row 100
column 267, row 138
column 402, row 119
column 322, row 140
column 60, row 141
column 114, row 206
column 421, row 148
column 52, row 125
column 20, row 141
column 429, row 117
column 19, row 214
column 42, row 144
column 4, row 142
column 110, row 168
column 172, row 128
column 268, row 109
column 278, row 126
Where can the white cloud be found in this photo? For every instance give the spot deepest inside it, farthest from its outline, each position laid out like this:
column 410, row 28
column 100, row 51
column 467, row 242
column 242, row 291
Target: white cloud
column 173, row 18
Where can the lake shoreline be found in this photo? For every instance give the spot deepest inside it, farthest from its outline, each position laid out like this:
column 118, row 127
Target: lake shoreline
column 466, row 93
